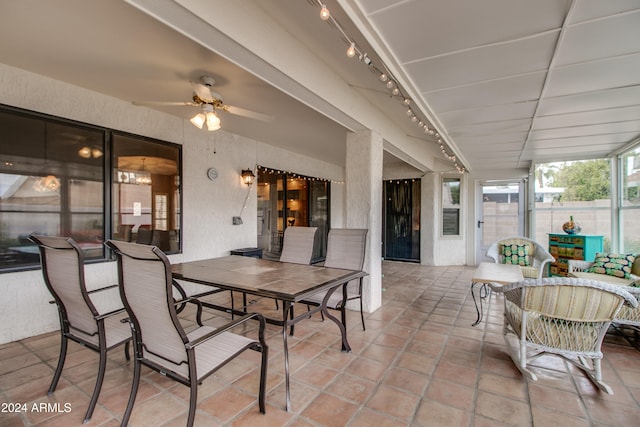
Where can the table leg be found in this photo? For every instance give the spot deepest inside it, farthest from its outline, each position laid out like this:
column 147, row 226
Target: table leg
column 343, row 330
column 286, row 305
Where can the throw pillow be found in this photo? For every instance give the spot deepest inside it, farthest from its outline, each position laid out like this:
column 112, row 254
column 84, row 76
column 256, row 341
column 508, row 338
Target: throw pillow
column 515, row 254
column 617, row 265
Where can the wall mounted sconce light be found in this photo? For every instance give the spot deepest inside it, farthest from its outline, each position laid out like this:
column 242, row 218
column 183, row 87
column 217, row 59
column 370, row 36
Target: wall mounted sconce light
column 247, row 176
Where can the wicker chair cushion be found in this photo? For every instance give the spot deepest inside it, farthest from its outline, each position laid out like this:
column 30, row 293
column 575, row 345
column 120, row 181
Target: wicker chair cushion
column 517, row 253
column 617, row 265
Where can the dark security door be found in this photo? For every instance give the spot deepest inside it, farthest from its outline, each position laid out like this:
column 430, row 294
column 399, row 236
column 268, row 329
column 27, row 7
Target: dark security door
column 401, row 233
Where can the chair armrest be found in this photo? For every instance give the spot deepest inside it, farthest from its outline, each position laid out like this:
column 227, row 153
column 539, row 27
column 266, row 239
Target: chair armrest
column 102, row 289
column 575, row 265
column 227, row 327
column 109, row 314
column 106, row 301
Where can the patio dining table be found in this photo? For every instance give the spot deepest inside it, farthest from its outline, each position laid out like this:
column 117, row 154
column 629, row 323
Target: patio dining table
column 286, row 282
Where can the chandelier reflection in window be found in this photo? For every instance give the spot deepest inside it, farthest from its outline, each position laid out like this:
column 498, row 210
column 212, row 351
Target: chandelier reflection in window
column 47, row 184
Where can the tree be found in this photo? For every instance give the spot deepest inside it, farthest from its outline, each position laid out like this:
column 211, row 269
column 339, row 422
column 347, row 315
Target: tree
column 585, row 181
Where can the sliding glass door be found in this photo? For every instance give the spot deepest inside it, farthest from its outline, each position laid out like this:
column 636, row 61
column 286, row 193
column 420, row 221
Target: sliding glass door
column 291, row 200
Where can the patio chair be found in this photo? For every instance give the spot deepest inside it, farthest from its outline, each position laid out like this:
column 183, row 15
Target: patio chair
column 531, row 256
column 297, row 246
column 345, row 249
column 161, row 343
column 89, row 317
column 567, row 317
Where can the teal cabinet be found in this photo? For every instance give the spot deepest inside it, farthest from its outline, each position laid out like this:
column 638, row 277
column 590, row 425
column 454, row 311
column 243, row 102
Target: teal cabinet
column 564, row 247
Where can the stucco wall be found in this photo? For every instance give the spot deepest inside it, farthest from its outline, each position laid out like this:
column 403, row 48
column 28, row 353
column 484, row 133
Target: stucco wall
column 208, row 206
column 436, row 249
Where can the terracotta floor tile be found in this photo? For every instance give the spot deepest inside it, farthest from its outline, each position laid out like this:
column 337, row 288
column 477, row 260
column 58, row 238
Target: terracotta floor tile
column 431, row 413
column 380, row 353
column 250, row 383
column 226, row 404
column 546, row 417
column 273, row 417
column 608, row 412
column 316, row 374
column 18, row 362
column 334, row 358
column 369, row 418
column 352, row 388
column 396, row 403
column 24, row 375
column 417, row 363
column 115, row 399
column 330, row 411
column 556, row 400
column 410, row 381
column 34, row 389
column 503, row 409
column 366, row 368
column 301, row 395
column 515, row 388
column 455, row 373
column 452, row 394
column 156, row 410
column 388, row 340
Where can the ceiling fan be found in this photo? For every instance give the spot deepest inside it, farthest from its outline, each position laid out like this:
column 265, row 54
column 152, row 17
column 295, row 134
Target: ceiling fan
column 209, row 101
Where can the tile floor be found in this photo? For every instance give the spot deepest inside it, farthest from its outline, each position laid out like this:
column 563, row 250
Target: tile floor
column 419, row 363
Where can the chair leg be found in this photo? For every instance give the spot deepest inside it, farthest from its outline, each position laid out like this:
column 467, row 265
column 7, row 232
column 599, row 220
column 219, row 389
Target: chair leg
column 193, row 402
column 132, row 395
column 61, row 358
column 233, row 306
column 263, row 378
column 127, row 355
column 96, row 390
column 362, row 313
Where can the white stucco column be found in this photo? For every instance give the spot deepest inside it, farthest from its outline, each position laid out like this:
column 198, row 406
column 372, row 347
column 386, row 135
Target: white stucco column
column 363, row 206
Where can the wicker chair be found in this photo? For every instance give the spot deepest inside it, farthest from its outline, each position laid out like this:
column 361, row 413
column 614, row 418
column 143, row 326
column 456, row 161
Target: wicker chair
column 567, row 317
column 627, row 316
column 345, row 249
column 161, row 343
column 90, row 318
column 537, row 259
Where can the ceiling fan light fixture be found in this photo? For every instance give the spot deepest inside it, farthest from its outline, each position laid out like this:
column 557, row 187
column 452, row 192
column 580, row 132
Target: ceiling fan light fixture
column 213, row 122
column 198, row 120
column 85, row 152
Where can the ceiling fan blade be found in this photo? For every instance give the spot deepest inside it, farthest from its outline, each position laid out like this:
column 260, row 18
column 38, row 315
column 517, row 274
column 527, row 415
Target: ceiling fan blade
column 160, row 103
column 202, row 91
column 247, row 113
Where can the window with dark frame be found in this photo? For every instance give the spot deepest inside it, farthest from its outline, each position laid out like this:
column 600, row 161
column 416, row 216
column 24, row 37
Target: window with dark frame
column 52, row 182
column 450, row 206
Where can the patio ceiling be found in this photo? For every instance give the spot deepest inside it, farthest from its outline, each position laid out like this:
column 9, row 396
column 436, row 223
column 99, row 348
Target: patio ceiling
column 505, row 83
